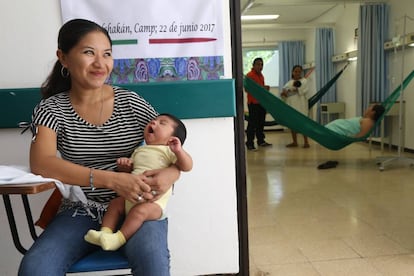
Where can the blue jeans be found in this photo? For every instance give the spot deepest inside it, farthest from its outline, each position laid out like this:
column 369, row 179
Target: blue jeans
column 62, row 244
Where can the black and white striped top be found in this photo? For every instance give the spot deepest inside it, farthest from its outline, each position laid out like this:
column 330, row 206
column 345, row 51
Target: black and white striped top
column 93, row 146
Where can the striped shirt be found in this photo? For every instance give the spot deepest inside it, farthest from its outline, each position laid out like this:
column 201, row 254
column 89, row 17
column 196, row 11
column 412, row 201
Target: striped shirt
column 93, row 146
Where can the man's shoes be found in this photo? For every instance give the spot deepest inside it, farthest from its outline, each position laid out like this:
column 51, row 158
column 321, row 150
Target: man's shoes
column 251, row 147
column 265, row 144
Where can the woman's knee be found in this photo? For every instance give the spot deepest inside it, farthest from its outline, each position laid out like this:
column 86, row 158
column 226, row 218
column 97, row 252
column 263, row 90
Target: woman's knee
column 147, row 250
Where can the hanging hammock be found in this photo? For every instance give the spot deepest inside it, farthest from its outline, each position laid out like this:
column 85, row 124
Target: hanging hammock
column 314, row 99
column 296, row 121
column 318, row 95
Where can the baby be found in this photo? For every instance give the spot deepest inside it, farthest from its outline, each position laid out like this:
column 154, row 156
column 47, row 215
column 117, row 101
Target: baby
column 164, row 137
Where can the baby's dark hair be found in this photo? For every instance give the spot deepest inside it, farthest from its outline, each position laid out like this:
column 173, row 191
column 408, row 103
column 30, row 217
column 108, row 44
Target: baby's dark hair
column 379, row 110
column 180, row 130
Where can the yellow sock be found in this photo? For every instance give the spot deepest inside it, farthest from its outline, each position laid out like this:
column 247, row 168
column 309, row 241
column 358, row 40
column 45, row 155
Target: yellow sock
column 94, row 236
column 113, row 241
column 106, row 230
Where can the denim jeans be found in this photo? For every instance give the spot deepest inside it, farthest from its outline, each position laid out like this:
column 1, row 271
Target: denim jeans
column 62, row 244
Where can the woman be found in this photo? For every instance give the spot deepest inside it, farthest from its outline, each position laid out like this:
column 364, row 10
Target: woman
column 358, row 126
column 295, row 94
column 91, row 124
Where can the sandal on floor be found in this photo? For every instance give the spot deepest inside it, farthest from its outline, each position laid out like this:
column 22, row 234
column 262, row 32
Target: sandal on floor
column 328, row 165
column 292, row 145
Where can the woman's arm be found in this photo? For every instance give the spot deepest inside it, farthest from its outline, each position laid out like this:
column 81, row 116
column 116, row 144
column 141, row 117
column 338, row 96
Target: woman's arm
column 286, row 89
column 44, row 161
column 304, row 88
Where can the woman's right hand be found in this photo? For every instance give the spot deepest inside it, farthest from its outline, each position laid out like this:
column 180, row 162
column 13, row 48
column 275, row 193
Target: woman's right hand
column 131, row 187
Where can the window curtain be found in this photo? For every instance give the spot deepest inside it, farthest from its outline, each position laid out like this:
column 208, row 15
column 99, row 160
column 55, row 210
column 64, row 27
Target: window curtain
column 372, row 66
column 324, row 67
column 291, row 53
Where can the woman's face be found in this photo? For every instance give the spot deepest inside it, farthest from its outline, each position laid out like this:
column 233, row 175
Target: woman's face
column 297, row 73
column 369, row 112
column 90, row 62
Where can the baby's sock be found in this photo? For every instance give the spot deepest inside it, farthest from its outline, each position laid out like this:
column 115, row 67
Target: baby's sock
column 112, row 241
column 94, row 236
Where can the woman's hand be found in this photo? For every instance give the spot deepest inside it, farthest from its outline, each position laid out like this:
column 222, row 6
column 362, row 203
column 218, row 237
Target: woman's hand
column 131, row 187
column 148, row 186
column 160, row 181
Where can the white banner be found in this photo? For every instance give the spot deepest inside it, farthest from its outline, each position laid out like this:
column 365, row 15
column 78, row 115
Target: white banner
column 156, row 28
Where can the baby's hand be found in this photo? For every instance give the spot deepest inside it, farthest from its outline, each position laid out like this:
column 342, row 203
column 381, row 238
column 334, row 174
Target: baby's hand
column 175, row 144
column 124, row 164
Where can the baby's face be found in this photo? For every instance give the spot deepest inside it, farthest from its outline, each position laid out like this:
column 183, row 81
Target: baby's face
column 159, row 130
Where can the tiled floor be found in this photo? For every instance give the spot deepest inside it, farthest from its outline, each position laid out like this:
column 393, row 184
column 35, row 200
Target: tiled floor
column 350, row 220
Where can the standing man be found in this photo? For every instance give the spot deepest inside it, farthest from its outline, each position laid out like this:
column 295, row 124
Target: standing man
column 257, row 114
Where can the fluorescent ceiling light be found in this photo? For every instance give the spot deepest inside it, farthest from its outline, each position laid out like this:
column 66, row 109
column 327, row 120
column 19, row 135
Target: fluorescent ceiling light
column 260, row 17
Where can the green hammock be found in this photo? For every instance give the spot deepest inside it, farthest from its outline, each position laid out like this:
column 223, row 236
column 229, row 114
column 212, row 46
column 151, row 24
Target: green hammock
column 318, row 95
column 312, row 100
column 296, row 121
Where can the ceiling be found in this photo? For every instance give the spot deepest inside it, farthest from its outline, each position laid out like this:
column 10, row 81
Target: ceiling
column 294, row 14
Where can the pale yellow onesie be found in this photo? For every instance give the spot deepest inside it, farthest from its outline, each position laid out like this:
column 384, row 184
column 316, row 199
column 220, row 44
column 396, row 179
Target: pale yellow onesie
column 150, row 157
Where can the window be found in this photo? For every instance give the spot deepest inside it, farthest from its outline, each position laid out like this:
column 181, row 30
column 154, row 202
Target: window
column 270, row 64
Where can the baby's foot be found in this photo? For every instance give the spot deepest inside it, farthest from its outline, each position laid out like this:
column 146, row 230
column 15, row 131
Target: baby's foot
column 113, row 241
column 93, row 237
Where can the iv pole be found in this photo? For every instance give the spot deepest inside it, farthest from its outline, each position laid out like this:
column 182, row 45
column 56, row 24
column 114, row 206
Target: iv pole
column 401, row 119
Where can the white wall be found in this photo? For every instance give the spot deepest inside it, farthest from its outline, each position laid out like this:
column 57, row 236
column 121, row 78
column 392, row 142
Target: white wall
column 254, row 37
column 203, row 232
column 344, row 39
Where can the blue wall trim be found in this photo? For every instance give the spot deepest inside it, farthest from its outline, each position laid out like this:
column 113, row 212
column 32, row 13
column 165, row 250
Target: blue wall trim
column 185, row 99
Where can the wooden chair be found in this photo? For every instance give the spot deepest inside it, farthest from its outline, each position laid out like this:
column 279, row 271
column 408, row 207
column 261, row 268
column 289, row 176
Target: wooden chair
column 97, row 261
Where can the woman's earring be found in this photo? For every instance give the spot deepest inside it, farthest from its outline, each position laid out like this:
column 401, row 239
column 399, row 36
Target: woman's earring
column 64, row 72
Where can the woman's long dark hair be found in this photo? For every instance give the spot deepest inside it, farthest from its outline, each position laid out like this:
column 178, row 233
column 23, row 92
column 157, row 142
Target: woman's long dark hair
column 69, row 36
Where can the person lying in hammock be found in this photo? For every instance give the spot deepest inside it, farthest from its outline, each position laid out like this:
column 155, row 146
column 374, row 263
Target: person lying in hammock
column 357, row 126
